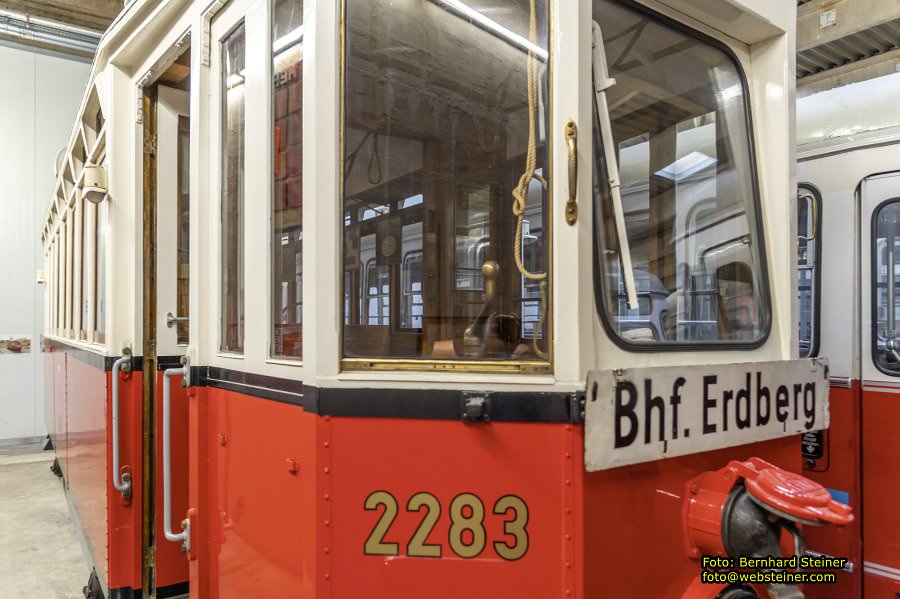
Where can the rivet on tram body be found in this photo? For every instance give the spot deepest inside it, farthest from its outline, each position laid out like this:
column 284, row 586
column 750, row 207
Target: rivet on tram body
column 326, row 496
column 327, row 576
column 327, row 444
column 568, row 510
column 327, row 550
column 568, row 456
column 327, row 523
column 568, row 537
column 568, row 565
column 568, row 427
column 326, row 418
column 568, row 483
column 327, row 470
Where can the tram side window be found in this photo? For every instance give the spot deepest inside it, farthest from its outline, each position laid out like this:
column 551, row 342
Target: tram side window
column 680, row 128
column 445, row 253
column 287, row 200
column 232, row 232
column 886, row 300
column 809, row 210
column 100, row 285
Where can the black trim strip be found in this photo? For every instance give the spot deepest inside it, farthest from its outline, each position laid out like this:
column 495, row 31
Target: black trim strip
column 443, row 404
column 97, row 360
column 173, row 590
column 167, row 362
column 432, row 404
column 267, row 387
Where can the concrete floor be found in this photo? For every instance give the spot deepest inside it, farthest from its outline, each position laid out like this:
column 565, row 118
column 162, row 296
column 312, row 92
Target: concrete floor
column 40, row 556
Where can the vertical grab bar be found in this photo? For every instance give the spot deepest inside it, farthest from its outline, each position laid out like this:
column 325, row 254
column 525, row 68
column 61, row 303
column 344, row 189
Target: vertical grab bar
column 121, row 481
column 185, row 536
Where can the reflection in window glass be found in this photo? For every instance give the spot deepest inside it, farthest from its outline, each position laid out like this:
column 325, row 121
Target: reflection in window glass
column 680, row 128
column 87, row 270
column 444, row 180
column 287, row 200
column 100, row 293
column 886, row 247
column 184, row 227
column 808, row 210
column 232, row 298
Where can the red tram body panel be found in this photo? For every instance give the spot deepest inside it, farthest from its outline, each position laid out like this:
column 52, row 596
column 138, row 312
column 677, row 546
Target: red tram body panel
column 429, row 379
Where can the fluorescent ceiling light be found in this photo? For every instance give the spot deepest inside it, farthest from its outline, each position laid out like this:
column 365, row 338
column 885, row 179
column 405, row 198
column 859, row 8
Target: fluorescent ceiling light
column 686, row 166
column 464, row 10
column 289, row 39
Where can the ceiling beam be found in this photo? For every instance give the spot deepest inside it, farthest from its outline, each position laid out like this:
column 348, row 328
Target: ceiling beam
column 88, row 14
column 850, row 16
column 863, row 70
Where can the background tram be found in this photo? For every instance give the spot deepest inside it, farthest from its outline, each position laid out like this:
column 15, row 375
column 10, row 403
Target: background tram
column 389, row 298
column 848, row 181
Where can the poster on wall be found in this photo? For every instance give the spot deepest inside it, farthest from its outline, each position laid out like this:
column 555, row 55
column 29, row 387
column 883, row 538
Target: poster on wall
column 15, row 344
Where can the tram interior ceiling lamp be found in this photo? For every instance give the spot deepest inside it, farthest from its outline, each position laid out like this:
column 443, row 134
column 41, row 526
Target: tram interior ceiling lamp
column 93, row 186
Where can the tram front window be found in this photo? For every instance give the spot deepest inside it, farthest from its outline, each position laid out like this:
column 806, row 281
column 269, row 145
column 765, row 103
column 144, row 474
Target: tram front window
column 445, row 169
column 679, row 122
column 886, row 249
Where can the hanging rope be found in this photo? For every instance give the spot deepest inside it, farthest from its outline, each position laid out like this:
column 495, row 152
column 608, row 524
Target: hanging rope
column 520, row 193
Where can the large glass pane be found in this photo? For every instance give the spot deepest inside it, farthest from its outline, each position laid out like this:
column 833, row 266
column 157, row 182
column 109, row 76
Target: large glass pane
column 100, row 286
column 886, row 247
column 680, row 130
column 184, row 228
column 808, row 219
column 445, row 160
column 232, row 293
column 287, row 199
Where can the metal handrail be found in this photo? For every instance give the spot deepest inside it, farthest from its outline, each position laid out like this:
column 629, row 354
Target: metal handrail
column 121, row 481
column 183, row 537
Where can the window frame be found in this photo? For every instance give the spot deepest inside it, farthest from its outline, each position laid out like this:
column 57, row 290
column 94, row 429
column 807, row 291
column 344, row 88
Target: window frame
column 219, row 202
column 460, row 365
column 873, row 282
column 764, row 286
column 816, row 341
column 271, row 355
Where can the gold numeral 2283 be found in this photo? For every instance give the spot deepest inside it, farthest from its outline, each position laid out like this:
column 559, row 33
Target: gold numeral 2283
column 467, row 515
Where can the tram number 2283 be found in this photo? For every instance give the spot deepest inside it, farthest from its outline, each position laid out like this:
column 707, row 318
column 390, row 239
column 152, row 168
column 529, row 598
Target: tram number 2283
column 467, row 534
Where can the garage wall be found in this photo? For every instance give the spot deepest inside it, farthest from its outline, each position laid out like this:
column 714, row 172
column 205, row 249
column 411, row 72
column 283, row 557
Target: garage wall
column 39, row 98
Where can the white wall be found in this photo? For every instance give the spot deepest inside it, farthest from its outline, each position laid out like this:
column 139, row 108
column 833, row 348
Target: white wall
column 39, row 98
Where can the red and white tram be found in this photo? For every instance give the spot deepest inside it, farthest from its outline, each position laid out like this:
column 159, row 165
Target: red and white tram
column 393, row 298
column 849, row 171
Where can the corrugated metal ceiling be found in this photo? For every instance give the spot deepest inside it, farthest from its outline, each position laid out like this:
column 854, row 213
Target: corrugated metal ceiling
column 851, row 48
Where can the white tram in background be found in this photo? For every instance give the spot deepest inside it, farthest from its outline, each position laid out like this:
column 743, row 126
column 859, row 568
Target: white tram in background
column 466, row 298
column 849, row 210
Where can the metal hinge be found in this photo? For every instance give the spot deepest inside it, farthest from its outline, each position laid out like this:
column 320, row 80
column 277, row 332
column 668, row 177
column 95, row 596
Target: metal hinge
column 150, row 144
column 576, row 408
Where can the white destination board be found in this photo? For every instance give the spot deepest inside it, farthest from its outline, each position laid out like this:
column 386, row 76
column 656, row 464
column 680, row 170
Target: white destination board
column 639, row 415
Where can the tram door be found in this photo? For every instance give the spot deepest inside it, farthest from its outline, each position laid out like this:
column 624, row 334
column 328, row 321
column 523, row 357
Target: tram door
column 880, row 356
column 170, row 333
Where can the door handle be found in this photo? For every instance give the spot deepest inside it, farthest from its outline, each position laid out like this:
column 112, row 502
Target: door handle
column 172, row 320
column 572, row 143
column 814, row 208
column 184, row 537
column 121, row 481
